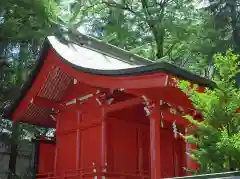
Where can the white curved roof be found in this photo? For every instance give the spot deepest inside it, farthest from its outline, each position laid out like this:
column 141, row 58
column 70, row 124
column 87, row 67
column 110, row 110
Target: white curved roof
column 85, row 57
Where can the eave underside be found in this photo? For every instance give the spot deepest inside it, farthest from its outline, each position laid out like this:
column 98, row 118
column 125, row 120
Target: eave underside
column 53, row 89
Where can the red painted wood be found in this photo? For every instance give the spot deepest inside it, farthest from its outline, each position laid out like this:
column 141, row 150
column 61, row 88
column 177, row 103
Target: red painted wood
column 78, row 142
column 103, row 135
column 78, row 90
column 79, row 139
column 66, row 142
column 123, row 152
column 124, row 104
column 45, row 103
column 177, row 97
column 56, row 148
column 172, row 117
column 191, row 164
column 167, row 153
column 46, row 157
column 180, row 157
column 144, row 148
column 128, row 142
column 156, row 172
column 128, row 147
column 19, row 112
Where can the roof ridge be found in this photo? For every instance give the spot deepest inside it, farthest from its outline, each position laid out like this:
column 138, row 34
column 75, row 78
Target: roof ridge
column 102, row 47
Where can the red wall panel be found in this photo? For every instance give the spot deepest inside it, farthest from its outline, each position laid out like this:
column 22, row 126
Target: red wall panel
column 78, row 141
column 128, row 147
column 173, row 158
column 66, row 141
column 123, row 139
column 46, row 158
column 90, row 146
column 180, row 157
column 66, row 160
column 167, row 159
column 144, row 147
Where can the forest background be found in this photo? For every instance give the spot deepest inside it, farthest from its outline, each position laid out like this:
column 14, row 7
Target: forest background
column 186, row 33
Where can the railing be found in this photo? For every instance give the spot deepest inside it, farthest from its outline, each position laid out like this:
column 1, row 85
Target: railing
column 45, row 175
column 109, row 175
column 234, row 174
column 101, row 173
column 93, row 173
column 116, row 175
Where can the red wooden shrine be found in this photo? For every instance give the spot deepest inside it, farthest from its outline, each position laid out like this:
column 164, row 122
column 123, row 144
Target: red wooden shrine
column 116, row 114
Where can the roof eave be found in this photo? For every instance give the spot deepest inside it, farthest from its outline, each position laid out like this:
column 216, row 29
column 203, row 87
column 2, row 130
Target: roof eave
column 99, row 45
column 31, row 78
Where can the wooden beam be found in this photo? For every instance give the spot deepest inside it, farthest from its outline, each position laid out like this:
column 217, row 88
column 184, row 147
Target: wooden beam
column 167, row 116
column 124, row 104
column 139, row 93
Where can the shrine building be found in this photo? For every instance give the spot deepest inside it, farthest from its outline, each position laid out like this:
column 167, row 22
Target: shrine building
column 116, row 114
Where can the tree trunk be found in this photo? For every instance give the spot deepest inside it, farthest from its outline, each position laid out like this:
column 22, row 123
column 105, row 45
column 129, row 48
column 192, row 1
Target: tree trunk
column 234, row 24
column 235, row 32
column 15, row 126
column 159, row 34
column 14, row 146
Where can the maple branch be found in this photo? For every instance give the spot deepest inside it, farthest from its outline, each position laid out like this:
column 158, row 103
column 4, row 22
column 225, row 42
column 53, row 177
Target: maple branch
column 123, row 7
column 170, row 48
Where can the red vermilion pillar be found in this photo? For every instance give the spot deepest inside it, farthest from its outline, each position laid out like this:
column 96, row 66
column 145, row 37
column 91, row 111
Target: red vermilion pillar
column 101, row 98
column 78, row 141
column 155, row 144
column 103, row 136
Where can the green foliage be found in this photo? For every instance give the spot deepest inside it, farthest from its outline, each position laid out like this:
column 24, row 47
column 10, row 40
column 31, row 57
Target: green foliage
column 27, row 20
column 226, row 14
column 150, row 28
column 174, row 31
column 23, row 26
column 218, row 134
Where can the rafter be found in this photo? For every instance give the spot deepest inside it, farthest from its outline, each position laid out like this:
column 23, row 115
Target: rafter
column 45, row 103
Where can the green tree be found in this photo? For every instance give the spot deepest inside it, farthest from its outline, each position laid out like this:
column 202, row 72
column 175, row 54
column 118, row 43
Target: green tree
column 150, row 28
column 24, row 24
column 226, row 14
column 27, row 20
column 218, row 134
column 175, row 31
